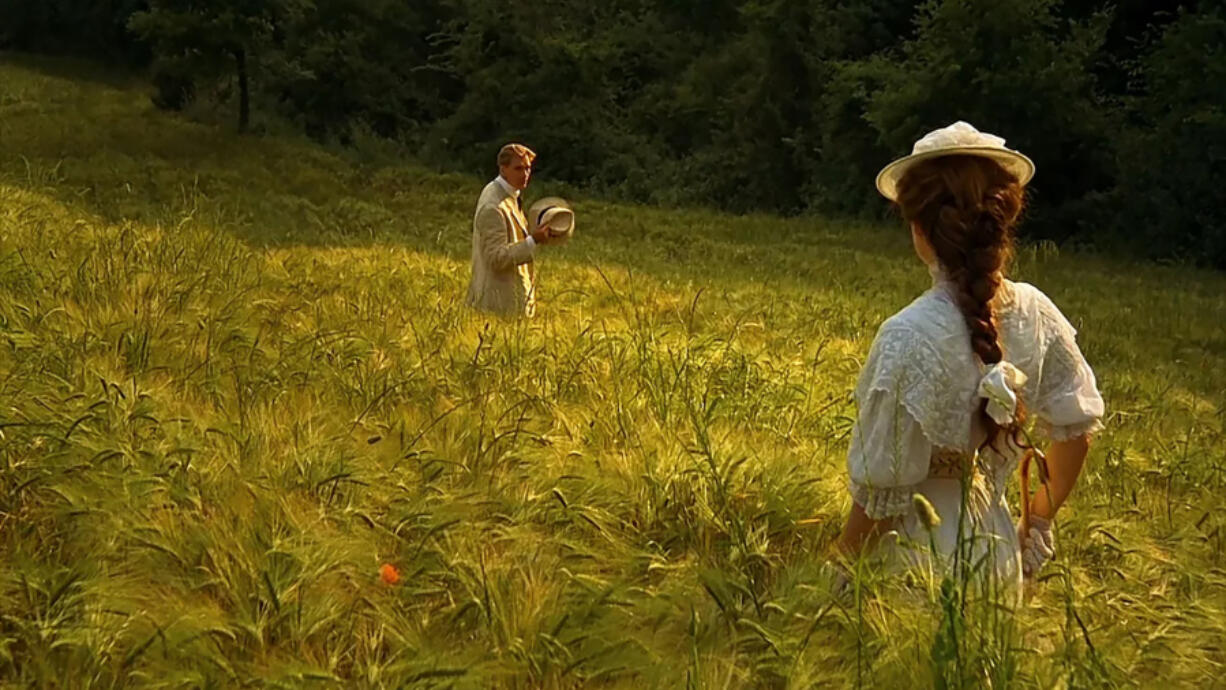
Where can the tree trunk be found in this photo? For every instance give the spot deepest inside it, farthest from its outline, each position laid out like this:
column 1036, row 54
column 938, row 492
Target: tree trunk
column 244, row 96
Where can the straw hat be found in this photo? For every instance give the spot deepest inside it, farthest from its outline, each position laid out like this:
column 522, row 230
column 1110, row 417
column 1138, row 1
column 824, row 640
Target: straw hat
column 554, row 213
column 960, row 138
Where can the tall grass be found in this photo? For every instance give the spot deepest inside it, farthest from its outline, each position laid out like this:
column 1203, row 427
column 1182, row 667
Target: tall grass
column 237, row 378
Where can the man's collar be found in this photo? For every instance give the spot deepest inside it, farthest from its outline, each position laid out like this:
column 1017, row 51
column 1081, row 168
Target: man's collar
column 506, row 187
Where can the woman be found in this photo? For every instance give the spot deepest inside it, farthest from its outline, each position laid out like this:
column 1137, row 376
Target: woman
column 949, row 379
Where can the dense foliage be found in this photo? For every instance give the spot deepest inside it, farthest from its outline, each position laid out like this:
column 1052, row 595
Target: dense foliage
column 746, row 105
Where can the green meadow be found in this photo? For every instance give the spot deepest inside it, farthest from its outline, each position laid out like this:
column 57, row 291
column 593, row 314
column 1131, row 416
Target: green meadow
column 237, row 378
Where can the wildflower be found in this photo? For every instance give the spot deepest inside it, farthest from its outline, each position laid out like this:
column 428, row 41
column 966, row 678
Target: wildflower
column 389, row 574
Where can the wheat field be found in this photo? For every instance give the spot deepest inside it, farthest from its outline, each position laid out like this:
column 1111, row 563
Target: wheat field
column 237, row 379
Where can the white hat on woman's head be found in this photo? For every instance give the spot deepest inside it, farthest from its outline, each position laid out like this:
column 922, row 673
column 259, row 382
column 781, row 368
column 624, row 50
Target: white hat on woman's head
column 960, row 138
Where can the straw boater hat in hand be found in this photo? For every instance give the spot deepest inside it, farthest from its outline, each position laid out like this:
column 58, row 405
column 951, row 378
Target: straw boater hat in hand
column 960, row 138
column 554, row 214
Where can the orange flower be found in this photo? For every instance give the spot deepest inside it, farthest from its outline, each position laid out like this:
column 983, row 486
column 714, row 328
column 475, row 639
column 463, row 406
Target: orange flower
column 389, row 574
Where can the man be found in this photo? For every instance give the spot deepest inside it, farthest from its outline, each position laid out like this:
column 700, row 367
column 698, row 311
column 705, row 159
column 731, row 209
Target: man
column 504, row 278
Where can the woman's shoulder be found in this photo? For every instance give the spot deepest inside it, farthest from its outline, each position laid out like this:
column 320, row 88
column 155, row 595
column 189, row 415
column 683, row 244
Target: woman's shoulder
column 927, row 333
column 1035, row 303
column 931, row 315
column 922, row 355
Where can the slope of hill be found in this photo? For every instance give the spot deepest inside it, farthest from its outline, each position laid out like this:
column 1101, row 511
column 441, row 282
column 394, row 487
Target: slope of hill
column 236, row 378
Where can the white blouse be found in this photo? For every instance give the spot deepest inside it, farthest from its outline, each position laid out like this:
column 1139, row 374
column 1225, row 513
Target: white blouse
column 917, row 393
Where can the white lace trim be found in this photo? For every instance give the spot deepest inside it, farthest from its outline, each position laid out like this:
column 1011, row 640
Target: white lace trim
column 934, row 384
column 880, row 504
column 1068, row 432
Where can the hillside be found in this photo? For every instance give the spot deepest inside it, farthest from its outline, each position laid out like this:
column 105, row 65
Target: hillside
column 236, row 377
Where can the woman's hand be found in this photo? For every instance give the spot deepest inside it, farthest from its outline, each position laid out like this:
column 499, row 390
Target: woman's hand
column 1038, row 544
column 1064, row 462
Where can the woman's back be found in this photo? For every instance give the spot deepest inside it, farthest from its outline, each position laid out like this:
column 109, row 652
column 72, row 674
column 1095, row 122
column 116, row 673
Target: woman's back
column 943, row 393
column 924, row 353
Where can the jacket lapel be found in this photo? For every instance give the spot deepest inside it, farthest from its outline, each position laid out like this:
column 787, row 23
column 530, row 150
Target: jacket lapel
column 517, row 228
column 518, row 217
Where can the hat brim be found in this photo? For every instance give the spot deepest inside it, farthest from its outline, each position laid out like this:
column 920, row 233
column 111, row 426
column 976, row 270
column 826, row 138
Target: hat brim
column 552, row 210
column 1014, row 163
column 560, row 221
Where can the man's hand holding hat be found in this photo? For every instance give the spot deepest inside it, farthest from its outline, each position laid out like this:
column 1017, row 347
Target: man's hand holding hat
column 551, row 220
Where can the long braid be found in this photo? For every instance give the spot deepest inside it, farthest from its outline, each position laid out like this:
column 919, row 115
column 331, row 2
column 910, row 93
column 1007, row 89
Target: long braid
column 967, row 207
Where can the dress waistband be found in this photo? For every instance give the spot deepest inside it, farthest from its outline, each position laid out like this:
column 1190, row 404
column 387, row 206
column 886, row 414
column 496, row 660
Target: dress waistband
column 950, row 464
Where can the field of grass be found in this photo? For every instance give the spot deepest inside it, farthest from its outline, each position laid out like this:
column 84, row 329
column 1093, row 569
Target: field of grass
column 236, row 377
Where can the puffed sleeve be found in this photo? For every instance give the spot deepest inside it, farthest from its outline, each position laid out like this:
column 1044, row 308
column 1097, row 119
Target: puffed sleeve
column 889, row 452
column 888, row 457
column 1069, row 402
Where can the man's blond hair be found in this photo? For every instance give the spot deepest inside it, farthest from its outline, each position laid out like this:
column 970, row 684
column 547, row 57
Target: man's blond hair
column 513, row 152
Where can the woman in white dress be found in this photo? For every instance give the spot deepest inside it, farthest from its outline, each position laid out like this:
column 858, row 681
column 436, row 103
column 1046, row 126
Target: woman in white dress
column 949, row 379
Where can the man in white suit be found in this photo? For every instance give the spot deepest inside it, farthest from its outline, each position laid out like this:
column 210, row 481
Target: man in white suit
column 504, row 278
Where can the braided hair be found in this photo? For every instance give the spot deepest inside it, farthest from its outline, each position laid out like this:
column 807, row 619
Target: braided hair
column 967, row 208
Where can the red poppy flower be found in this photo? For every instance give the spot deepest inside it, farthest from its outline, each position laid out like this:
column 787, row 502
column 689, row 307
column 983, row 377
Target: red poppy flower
column 389, row 574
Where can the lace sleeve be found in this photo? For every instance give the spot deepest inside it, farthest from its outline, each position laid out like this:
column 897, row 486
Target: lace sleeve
column 907, row 405
column 1069, row 402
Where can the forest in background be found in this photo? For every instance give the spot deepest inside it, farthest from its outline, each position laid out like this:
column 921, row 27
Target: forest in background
column 742, row 105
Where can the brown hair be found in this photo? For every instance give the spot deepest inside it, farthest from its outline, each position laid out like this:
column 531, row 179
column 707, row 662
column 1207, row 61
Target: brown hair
column 967, row 208
column 513, row 152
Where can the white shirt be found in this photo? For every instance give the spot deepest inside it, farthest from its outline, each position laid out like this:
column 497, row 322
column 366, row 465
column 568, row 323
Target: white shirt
column 507, row 186
column 509, row 189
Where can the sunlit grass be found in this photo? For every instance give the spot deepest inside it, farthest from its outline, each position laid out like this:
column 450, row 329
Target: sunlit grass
column 237, row 378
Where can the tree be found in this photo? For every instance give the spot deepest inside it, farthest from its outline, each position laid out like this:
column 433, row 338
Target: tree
column 368, row 62
column 566, row 78
column 194, row 41
column 94, row 28
column 1171, row 200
